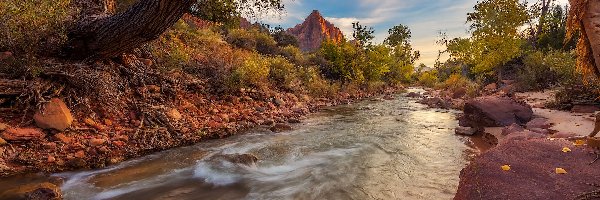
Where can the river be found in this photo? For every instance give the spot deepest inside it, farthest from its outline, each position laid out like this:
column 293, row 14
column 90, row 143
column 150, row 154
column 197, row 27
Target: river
column 394, row 149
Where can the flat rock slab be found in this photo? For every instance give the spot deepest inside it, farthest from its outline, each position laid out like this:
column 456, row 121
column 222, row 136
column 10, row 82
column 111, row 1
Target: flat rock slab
column 495, row 111
column 532, row 172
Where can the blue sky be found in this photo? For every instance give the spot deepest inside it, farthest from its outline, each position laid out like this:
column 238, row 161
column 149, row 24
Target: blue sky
column 426, row 18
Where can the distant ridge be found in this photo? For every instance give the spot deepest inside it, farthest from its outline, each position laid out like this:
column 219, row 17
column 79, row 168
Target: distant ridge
column 314, row 30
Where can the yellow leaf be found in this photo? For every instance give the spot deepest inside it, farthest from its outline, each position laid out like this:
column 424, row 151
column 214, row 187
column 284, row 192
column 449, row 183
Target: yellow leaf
column 561, row 171
column 579, row 142
column 506, row 167
column 566, row 150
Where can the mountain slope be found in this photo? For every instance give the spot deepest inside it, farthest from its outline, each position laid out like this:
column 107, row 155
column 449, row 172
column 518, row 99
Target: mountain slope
column 314, row 30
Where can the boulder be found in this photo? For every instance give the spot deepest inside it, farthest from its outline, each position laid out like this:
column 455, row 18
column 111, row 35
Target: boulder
column 174, row 114
column 413, row 95
column 54, row 115
column 242, row 159
column 280, row 127
column 564, row 135
column 3, row 126
column 495, row 111
column 585, row 109
column 532, row 172
column 467, row 131
column 34, row 191
column 491, row 87
column 436, row 102
column 542, row 123
column 23, row 134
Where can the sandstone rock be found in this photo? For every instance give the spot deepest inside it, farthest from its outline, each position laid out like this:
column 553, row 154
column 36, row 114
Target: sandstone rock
column 3, row 142
column 153, row 88
column 35, row 191
column 494, row 111
column 294, row 121
column 585, row 109
column 539, row 123
column 280, row 127
column 564, row 135
column 54, row 115
column 96, row 142
column 63, row 138
column 314, row 30
column 80, row 154
column 468, row 131
column 146, row 62
column 435, row 102
column 513, row 128
column 23, row 134
column 531, row 176
column 174, row 114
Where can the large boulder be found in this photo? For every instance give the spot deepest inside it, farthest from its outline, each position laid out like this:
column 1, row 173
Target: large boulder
column 532, row 171
column 242, row 159
column 495, row 111
column 34, row 191
column 54, row 115
column 23, row 134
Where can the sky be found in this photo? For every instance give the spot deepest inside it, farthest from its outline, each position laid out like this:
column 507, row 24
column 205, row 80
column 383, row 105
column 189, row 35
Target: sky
column 425, row 18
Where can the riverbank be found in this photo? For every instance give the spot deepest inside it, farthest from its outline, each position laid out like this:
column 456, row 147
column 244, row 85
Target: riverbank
column 99, row 136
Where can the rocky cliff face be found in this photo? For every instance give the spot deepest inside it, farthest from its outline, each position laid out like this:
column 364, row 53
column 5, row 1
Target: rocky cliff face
column 314, row 30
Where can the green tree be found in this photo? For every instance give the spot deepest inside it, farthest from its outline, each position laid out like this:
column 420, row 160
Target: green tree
column 495, row 38
column 402, row 54
column 363, row 35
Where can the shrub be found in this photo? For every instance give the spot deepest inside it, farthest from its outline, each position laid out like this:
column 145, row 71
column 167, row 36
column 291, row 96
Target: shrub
column 33, row 26
column 315, row 84
column 252, row 40
column 428, row 79
column 253, row 72
column 544, row 70
column 283, row 74
column 457, row 82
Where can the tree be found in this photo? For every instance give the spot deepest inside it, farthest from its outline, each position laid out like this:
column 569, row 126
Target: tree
column 584, row 17
column 102, row 34
column 402, row 53
column 495, row 38
column 543, row 6
column 363, row 35
column 283, row 38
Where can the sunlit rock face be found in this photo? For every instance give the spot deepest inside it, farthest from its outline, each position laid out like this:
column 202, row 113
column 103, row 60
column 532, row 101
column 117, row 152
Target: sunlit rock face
column 314, row 30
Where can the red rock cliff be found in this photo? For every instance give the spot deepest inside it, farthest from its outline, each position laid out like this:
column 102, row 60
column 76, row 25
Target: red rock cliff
column 314, row 30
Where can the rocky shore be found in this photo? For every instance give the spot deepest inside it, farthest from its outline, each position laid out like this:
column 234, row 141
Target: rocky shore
column 531, row 152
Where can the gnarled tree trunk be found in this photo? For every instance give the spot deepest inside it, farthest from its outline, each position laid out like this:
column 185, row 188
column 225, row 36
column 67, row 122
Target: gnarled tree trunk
column 104, row 35
column 591, row 26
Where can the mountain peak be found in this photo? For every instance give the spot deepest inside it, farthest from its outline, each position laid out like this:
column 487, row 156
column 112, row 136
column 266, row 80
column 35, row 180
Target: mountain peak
column 314, row 30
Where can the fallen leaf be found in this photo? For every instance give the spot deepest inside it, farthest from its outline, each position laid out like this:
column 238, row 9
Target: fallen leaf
column 579, row 142
column 561, row 171
column 566, row 150
column 506, row 167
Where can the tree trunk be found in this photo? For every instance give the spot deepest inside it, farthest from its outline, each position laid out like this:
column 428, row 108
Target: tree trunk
column 100, row 36
column 591, row 26
column 540, row 27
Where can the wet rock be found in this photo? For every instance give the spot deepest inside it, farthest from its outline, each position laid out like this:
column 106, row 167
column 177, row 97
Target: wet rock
column 435, row 102
column 539, row 123
column 585, row 109
column 174, row 114
column 294, row 121
column 242, row 159
column 35, row 191
column 54, row 115
column 468, row 131
column 513, row 128
column 280, row 127
column 23, row 134
column 495, row 111
column 532, row 175
column 413, row 95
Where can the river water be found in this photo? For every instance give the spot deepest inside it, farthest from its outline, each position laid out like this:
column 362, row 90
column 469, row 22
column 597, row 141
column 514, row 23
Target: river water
column 396, row 149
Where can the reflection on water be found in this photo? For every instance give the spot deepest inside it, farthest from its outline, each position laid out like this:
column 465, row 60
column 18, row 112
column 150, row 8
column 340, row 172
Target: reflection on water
column 373, row 150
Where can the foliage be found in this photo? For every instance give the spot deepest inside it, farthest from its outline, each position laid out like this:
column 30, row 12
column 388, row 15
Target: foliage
column 428, row 79
column 283, row 38
column 543, row 70
column 495, row 33
column 554, row 31
column 402, row 54
column 283, row 74
column 33, row 26
column 252, row 39
column 342, row 61
column 363, row 35
column 456, row 82
column 252, row 73
column 229, row 11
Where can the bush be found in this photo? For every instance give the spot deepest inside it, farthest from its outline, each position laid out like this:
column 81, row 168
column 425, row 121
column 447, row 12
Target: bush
column 544, row 70
column 315, row 84
column 428, row 79
column 457, row 82
column 283, row 74
column 252, row 40
column 34, row 26
column 253, row 72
